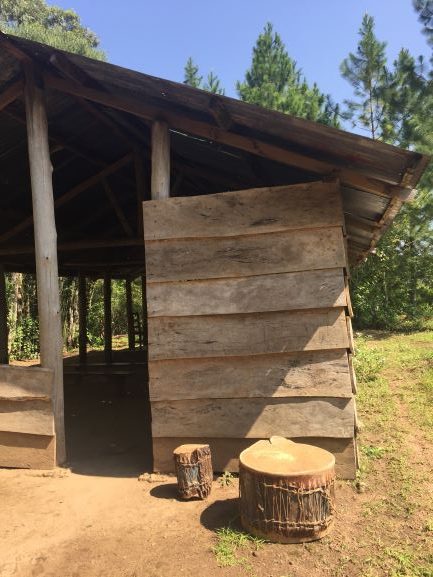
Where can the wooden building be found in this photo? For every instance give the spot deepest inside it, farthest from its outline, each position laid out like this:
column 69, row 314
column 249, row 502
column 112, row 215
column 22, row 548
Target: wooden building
column 252, row 221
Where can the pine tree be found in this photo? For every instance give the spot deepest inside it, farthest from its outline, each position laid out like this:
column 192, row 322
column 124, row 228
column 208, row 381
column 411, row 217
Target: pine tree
column 367, row 73
column 191, row 74
column 275, row 81
column 213, row 84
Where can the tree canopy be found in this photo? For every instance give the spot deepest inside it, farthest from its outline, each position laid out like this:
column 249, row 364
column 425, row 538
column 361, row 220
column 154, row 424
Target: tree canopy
column 36, row 20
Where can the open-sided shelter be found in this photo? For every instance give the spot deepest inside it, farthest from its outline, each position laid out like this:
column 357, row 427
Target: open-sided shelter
column 252, row 221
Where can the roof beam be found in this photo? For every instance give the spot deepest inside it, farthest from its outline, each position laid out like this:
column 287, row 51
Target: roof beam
column 71, row 194
column 255, row 146
column 76, row 245
column 117, row 208
column 11, row 93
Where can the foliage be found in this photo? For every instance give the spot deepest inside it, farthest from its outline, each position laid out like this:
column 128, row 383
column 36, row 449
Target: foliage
column 275, row 81
column 393, row 289
column 194, row 79
column 36, row 20
column 229, row 541
column 26, row 340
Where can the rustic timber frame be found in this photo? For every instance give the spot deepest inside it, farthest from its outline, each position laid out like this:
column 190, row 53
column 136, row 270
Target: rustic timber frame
column 252, row 220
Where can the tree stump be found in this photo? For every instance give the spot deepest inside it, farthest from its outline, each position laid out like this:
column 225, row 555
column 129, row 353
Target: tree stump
column 193, row 471
column 286, row 491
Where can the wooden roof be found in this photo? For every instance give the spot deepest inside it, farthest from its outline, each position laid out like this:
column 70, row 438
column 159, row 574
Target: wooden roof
column 99, row 125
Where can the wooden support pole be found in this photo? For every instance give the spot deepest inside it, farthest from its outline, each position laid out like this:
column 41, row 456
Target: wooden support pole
column 50, row 329
column 108, row 345
column 160, row 187
column 129, row 314
column 4, row 357
column 82, row 318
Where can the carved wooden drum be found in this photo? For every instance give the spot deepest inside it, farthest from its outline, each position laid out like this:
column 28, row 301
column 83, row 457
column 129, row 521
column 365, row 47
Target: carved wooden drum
column 194, row 472
column 286, row 490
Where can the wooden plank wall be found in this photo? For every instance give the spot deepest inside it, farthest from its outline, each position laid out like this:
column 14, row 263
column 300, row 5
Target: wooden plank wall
column 26, row 418
column 248, row 330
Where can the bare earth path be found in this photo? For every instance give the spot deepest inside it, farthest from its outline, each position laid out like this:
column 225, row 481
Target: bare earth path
column 65, row 524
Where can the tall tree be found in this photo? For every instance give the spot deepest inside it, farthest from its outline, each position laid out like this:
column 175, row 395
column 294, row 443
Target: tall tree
column 394, row 287
column 275, row 81
column 37, row 20
column 367, row 73
column 191, row 74
column 192, row 77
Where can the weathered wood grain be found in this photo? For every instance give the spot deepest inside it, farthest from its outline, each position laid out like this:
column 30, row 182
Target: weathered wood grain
column 235, row 335
column 250, row 418
column 275, row 292
column 32, row 417
column 225, row 452
column 192, row 259
column 27, row 451
column 25, row 383
column 258, row 210
column 303, row 374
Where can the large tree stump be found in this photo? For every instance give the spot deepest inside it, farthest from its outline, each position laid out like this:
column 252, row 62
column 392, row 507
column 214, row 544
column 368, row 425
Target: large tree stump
column 193, row 470
column 286, row 491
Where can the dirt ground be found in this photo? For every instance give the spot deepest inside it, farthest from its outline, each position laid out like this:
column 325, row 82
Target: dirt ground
column 97, row 519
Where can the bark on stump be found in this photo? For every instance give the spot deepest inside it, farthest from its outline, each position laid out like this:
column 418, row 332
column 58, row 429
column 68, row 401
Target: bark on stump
column 193, row 471
column 286, row 491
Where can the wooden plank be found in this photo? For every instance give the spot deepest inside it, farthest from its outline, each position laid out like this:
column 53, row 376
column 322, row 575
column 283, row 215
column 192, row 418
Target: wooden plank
column 225, row 452
column 34, row 417
column 236, row 335
column 258, row 210
column 25, row 383
column 348, row 299
column 23, row 451
column 293, row 417
column 44, row 224
column 309, row 374
column 290, row 251
column 160, row 175
column 352, row 373
column 262, row 293
column 350, row 334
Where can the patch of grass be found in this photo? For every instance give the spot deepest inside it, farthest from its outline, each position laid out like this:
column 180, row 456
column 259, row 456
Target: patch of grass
column 226, row 479
column 229, row 542
column 373, row 452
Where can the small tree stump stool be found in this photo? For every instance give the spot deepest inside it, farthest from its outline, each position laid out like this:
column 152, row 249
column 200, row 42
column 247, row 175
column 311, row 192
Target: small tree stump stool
column 286, row 491
column 193, row 471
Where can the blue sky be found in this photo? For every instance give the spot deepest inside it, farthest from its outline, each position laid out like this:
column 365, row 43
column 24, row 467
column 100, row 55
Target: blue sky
column 158, row 37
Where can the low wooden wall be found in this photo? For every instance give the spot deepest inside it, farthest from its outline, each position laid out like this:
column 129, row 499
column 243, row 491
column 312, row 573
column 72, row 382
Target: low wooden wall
column 248, row 326
column 26, row 418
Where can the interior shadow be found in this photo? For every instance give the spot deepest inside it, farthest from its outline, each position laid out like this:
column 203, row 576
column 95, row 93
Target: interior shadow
column 222, row 513
column 106, row 415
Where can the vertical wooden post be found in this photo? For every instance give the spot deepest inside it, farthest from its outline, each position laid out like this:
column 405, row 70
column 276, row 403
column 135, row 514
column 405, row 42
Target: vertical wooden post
column 129, row 314
column 108, row 345
column 160, row 161
column 50, row 329
column 82, row 318
column 4, row 357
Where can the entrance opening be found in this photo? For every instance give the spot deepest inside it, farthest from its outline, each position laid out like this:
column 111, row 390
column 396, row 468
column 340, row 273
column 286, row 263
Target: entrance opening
column 106, row 414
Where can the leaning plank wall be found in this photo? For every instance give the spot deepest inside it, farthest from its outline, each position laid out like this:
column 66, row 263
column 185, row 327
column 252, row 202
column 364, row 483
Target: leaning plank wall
column 249, row 334
column 26, row 418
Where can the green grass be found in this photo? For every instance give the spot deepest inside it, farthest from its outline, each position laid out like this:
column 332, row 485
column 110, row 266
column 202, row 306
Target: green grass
column 230, row 542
